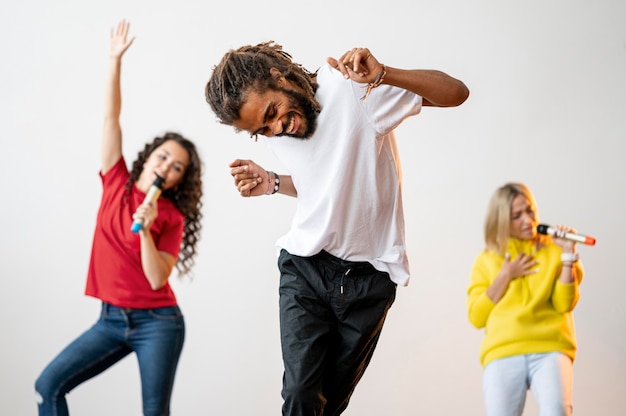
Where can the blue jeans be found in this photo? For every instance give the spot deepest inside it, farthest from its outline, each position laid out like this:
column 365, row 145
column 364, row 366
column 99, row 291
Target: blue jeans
column 331, row 316
column 548, row 375
column 155, row 335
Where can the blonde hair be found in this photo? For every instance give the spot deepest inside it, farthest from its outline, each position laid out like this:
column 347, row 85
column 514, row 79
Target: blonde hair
column 498, row 218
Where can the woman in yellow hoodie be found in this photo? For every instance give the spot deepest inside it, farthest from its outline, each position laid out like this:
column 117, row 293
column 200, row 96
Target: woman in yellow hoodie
column 524, row 287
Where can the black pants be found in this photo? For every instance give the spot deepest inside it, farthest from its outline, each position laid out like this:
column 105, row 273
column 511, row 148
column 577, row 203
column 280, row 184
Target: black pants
column 331, row 316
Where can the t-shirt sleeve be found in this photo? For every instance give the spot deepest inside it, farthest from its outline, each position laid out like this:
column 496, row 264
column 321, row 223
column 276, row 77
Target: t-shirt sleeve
column 387, row 106
column 117, row 172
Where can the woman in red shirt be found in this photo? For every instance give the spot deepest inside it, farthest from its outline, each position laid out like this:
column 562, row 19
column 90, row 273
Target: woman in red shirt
column 129, row 270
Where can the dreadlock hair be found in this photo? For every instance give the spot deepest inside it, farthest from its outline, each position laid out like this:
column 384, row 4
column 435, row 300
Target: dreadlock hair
column 186, row 196
column 248, row 68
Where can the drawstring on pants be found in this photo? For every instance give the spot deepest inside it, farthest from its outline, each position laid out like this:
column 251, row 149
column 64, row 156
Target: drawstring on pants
column 344, row 275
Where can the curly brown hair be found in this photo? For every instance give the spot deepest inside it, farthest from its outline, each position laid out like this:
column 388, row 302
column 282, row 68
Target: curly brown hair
column 187, row 196
column 249, row 68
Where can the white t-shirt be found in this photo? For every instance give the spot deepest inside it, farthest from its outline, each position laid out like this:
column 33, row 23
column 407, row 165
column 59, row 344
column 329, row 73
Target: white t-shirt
column 348, row 176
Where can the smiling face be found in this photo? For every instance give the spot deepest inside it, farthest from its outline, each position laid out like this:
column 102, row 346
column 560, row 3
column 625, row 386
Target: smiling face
column 169, row 161
column 284, row 111
column 523, row 218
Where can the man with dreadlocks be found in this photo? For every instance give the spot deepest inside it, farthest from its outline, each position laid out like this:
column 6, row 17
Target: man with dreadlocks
column 345, row 254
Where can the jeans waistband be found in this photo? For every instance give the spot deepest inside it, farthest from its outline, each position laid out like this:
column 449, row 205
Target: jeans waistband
column 107, row 307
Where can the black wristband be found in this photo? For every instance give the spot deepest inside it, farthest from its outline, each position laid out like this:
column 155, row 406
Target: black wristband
column 276, row 184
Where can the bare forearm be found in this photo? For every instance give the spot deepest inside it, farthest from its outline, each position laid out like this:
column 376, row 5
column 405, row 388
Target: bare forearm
column 286, row 186
column 111, row 149
column 113, row 96
column 156, row 266
column 498, row 288
column 568, row 273
column 436, row 87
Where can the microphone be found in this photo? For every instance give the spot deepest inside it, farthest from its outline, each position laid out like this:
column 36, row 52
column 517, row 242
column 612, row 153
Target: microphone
column 553, row 232
column 153, row 194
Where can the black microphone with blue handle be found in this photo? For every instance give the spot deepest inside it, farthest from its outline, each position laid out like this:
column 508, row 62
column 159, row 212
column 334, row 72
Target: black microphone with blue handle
column 153, row 194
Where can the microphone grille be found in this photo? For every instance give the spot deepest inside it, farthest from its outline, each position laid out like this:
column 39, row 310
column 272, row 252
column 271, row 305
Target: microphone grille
column 158, row 182
column 542, row 229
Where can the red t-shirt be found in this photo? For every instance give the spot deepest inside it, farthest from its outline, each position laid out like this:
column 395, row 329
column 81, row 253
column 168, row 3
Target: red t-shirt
column 115, row 274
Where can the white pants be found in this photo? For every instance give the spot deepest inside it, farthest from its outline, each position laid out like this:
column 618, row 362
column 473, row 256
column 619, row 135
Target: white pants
column 549, row 376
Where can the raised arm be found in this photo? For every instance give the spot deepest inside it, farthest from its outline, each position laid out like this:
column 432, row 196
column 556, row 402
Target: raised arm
column 565, row 295
column 111, row 149
column 435, row 87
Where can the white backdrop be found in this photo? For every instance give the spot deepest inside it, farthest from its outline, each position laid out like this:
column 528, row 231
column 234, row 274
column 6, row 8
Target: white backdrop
column 547, row 81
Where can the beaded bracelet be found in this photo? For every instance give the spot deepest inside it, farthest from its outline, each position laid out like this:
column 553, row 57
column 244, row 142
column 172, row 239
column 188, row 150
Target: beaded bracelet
column 272, row 190
column 379, row 80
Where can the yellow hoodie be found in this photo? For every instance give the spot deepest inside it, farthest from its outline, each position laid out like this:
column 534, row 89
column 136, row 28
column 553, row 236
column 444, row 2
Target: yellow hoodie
column 535, row 313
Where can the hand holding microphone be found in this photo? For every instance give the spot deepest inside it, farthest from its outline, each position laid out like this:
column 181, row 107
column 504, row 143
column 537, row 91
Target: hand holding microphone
column 153, row 194
column 554, row 232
